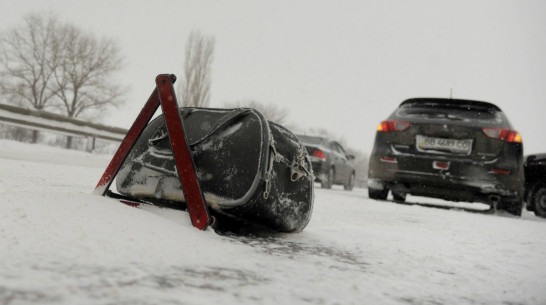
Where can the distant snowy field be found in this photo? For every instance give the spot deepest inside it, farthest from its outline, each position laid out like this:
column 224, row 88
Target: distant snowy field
column 59, row 244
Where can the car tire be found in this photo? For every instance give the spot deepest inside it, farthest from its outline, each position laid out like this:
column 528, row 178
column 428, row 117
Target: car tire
column 329, row 179
column 376, row 194
column 399, row 197
column 513, row 208
column 538, row 198
column 350, row 183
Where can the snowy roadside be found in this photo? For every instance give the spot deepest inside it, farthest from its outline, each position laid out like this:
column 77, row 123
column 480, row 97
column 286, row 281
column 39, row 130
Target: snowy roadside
column 61, row 245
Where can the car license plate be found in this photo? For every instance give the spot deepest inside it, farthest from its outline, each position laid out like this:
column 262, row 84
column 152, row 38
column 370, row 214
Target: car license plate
column 463, row 146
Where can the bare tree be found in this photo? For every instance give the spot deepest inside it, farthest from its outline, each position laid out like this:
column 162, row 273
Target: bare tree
column 48, row 63
column 28, row 61
column 83, row 77
column 270, row 111
column 195, row 87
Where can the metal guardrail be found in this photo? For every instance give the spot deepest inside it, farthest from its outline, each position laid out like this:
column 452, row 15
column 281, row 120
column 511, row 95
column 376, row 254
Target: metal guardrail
column 47, row 121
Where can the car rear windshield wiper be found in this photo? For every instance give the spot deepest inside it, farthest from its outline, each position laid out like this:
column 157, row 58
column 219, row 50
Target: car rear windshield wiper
column 445, row 116
column 454, row 117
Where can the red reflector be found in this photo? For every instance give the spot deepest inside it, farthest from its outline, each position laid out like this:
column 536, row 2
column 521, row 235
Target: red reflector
column 388, row 159
column 500, row 171
column 507, row 135
column 130, row 203
column 387, row 126
column 440, row 165
column 319, row 154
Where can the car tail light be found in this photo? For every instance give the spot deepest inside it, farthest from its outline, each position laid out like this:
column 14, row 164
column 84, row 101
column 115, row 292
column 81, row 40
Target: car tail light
column 388, row 159
column 507, row 135
column 387, row 126
column 319, row 154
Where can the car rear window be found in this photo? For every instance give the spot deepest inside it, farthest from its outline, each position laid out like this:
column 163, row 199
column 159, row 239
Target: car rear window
column 450, row 112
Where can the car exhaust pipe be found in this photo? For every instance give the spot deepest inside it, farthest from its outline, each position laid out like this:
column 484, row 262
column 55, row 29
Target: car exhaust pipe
column 494, row 200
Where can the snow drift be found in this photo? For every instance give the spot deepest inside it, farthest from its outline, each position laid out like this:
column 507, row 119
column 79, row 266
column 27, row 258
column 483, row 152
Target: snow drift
column 59, row 244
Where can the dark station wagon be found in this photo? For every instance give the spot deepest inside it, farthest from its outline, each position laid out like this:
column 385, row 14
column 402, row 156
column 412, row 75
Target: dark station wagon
column 457, row 150
column 331, row 164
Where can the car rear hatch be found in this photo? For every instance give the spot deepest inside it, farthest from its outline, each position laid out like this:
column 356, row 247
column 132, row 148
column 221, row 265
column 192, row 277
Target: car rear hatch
column 435, row 135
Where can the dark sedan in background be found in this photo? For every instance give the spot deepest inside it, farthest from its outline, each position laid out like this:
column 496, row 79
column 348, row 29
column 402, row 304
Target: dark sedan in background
column 535, row 184
column 458, row 150
column 331, row 164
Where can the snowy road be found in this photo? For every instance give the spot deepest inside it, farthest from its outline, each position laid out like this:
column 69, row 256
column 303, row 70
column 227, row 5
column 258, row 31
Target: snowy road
column 61, row 245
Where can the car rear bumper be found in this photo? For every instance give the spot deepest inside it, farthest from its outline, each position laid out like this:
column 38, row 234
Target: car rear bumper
column 448, row 189
column 320, row 171
column 462, row 181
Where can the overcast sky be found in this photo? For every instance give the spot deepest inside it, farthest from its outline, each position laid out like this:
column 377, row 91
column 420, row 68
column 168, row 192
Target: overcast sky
column 339, row 65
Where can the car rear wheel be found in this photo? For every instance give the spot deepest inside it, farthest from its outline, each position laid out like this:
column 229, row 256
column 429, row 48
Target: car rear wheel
column 514, row 208
column 399, row 197
column 350, row 183
column 329, row 180
column 539, row 200
column 378, row 194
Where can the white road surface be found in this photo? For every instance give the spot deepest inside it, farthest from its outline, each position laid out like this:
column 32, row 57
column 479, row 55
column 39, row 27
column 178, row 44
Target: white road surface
column 59, row 244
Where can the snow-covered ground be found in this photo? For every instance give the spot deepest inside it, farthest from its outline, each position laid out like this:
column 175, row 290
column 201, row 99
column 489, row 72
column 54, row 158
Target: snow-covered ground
column 59, row 244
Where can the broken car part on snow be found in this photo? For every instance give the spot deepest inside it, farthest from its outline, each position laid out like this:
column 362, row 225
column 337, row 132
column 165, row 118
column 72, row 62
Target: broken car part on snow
column 230, row 163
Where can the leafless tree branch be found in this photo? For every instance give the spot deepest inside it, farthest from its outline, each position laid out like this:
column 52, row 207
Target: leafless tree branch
column 271, row 112
column 46, row 63
column 27, row 61
column 195, row 87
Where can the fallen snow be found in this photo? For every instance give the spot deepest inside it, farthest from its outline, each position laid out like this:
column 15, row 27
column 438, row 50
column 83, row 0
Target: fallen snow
column 59, row 244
